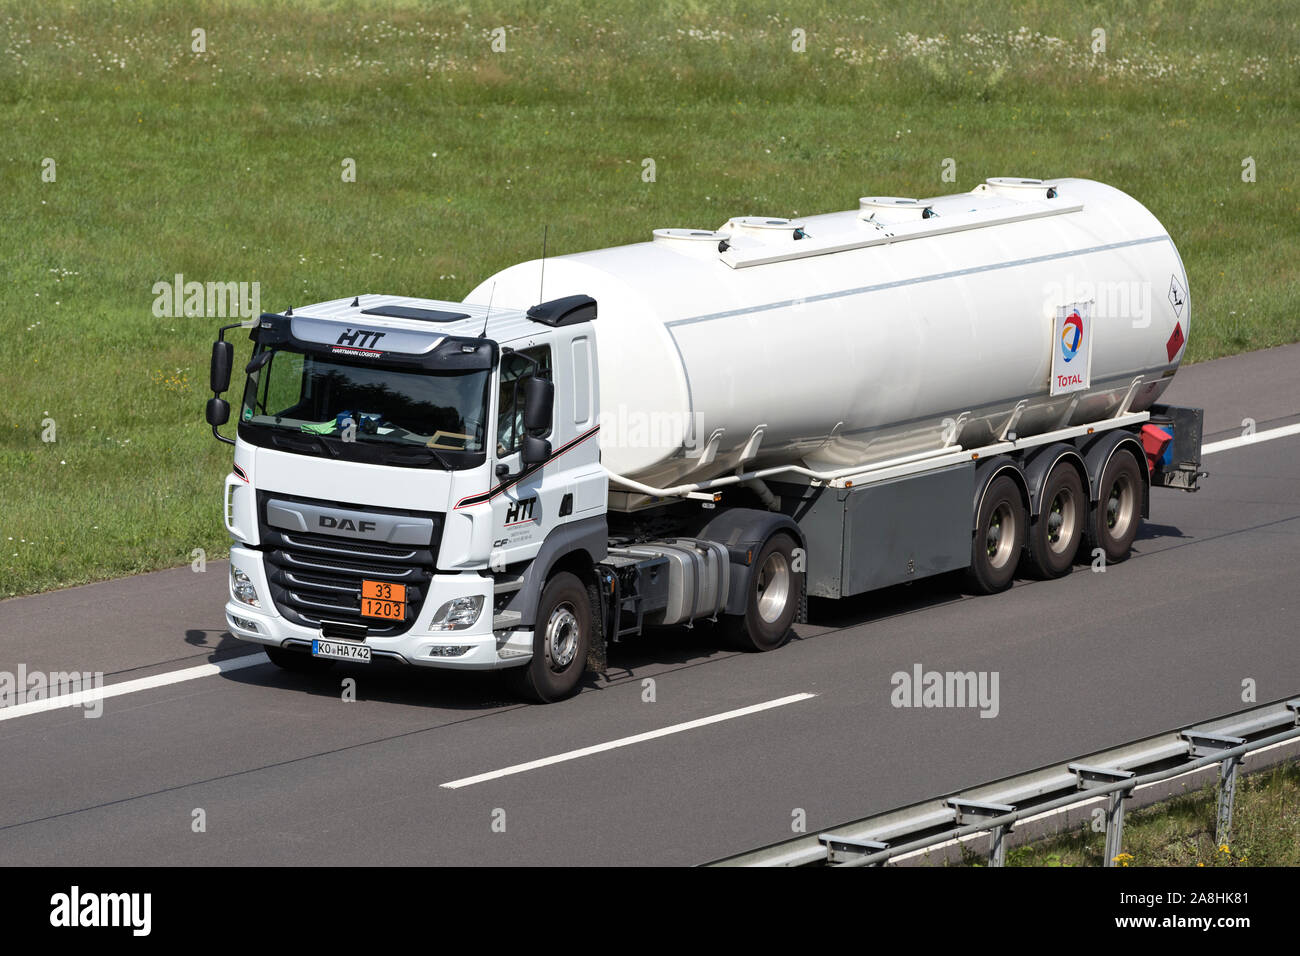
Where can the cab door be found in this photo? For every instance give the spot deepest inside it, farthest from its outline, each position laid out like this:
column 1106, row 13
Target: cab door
column 571, row 484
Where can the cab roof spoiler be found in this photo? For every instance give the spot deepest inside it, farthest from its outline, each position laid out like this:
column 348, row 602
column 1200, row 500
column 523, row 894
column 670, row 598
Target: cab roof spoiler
column 570, row 310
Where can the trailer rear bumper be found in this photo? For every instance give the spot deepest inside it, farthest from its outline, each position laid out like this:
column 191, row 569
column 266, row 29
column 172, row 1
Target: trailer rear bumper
column 1180, row 464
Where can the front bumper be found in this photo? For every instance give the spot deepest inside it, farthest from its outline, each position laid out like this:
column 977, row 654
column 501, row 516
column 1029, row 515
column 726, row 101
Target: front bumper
column 484, row 649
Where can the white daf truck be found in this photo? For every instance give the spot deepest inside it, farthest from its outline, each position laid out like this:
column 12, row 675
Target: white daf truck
column 715, row 424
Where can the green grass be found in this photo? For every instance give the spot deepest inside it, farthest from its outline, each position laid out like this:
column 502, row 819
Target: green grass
column 226, row 166
column 1181, row 832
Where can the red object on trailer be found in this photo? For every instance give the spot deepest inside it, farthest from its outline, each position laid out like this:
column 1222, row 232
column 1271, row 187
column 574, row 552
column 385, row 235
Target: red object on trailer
column 1154, row 442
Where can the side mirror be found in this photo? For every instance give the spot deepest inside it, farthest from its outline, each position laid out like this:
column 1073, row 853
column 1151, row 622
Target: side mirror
column 217, row 411
column 535, row 451
column 539, row 403
column 223, row 354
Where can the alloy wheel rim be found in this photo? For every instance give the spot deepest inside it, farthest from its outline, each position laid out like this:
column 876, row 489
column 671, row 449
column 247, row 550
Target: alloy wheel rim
column 1061, row 523
column 1001, row 535
column 1120, row 505
column 562, row 631
column 773, row 587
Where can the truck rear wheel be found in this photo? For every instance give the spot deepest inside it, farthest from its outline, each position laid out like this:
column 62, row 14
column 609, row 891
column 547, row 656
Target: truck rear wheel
column 562, row 635
column 999, row 537
column 1055, row 537
column 775, row 592
column 1118, row 514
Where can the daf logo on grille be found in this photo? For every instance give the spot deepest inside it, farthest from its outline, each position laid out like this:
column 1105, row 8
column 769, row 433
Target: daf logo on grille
column 305, row 517
column 346, row 524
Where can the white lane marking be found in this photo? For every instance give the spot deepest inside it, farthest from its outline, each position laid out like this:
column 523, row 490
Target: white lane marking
column 131, row 686
column 626, row 741
column 237, row 663
column 1250, row 439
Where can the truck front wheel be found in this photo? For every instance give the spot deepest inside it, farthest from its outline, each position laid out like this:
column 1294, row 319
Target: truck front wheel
column 775, row 590
column 561, row 639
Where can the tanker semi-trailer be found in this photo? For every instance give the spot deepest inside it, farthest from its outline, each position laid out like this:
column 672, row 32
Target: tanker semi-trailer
column 768, row 411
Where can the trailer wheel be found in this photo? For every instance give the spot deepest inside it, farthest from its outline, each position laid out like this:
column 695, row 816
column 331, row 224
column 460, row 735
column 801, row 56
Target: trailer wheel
column 561, row 639
column 300, row 662
column 999, row 537
column 1055, row 537
column 775, row 591
column 1118, row 512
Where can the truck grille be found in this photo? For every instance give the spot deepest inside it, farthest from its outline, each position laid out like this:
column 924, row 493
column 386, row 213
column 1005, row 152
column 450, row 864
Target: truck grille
column 315, row 577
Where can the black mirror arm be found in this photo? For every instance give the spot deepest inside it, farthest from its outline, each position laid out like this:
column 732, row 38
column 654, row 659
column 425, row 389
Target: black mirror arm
column 221, row 332
column 221, row 337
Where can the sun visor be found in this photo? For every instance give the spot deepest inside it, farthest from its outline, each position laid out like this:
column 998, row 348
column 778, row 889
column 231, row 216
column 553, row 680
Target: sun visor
column 379, row 345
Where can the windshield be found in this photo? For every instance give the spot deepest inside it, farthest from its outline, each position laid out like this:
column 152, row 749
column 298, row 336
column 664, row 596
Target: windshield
column 324, row 405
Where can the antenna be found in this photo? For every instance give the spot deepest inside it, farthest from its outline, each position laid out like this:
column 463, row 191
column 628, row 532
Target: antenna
column 491, row 295
column 542, row 278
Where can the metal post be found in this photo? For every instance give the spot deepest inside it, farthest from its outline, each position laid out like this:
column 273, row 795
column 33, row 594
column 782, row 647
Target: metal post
column 997, row 847
column 1202, row 744
column 1093, row 778
column 1227, row 791
column 1114, row 827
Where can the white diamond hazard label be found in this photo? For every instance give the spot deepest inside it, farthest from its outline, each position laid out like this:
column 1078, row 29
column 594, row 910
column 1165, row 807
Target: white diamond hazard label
column 1177, row 297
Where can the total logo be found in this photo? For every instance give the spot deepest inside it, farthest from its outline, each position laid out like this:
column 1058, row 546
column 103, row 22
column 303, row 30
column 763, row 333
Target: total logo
column 1071, row 336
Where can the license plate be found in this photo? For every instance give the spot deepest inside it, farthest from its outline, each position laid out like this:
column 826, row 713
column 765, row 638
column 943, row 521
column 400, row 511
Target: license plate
column 383, row 600
column 341, row 651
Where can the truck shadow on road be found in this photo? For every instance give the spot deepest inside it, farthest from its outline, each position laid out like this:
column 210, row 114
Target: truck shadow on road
column 1157, row 532
column 827, row 614
column 381, row 681
column 657, row 651
column 221, row 643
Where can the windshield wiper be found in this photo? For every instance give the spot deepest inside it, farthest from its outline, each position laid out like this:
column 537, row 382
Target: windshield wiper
column 422, row 451
column 302, row 442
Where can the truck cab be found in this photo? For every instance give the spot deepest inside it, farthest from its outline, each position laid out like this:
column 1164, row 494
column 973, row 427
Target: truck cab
column 409, row 475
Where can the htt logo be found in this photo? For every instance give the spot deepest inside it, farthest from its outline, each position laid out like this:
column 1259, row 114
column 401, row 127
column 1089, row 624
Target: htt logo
column 521, row 510
column 361, row 338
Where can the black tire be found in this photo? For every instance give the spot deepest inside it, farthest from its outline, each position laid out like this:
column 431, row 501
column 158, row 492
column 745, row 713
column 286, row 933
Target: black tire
column 999, row 539
column 1118, row 512
column 1059, row 527
column 562, row 638
column 300, row 662
column 775, row 592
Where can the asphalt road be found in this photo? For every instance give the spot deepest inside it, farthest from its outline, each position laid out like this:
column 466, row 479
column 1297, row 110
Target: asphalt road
column 285, row 772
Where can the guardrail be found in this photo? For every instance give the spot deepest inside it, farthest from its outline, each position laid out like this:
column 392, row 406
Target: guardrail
column 997, row 807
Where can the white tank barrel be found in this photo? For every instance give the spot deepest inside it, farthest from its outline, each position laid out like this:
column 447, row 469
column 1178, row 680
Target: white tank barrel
column 893, row 329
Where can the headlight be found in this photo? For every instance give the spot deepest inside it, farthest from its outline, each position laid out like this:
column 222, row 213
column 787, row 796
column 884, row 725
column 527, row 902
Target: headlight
column 457, row 614
column 241, row 586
